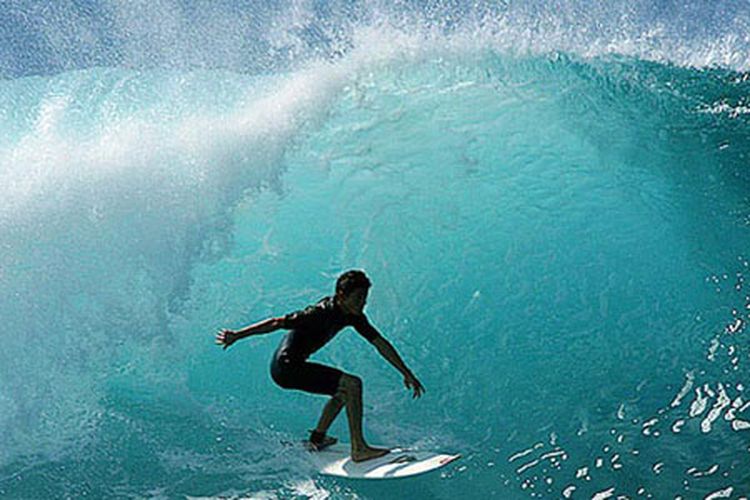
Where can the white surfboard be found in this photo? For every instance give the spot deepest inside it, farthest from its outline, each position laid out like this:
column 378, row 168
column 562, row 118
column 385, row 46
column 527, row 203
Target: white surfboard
column 400, row 462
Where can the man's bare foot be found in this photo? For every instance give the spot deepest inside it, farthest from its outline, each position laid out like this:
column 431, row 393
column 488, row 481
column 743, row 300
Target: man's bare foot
column 368, row 454
column 324, row 443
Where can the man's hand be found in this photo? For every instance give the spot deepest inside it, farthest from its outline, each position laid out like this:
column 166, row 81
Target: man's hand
column 411, row 382
column 226, row 338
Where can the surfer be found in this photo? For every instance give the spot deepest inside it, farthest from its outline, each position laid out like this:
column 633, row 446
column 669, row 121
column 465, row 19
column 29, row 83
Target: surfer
column 309, row 330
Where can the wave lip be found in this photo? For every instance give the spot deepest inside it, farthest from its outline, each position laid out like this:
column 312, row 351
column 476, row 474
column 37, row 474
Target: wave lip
column 288, row 35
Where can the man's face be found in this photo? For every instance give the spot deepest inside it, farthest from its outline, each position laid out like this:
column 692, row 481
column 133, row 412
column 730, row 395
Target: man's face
column 354, row 301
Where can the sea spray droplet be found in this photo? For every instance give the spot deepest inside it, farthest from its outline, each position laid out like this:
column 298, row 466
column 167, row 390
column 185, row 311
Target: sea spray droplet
column 735, row 326
column 568, row 492
column 525, row 452
column 621, row 412
column 708, row 472
column 712, row 349
column 731, row 412
column 646, row 428
column 725, row 493
column 602, row 495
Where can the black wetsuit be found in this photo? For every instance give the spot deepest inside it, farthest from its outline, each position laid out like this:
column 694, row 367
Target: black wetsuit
column 311, row 328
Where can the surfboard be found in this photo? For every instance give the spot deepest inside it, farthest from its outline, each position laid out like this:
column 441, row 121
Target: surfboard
column 400, row 462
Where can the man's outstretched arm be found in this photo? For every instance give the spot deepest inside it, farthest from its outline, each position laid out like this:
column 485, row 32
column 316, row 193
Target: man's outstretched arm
column 389, row 353
column 229, row 337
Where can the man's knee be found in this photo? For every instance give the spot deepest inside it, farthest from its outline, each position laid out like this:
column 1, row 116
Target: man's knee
column 348, row 385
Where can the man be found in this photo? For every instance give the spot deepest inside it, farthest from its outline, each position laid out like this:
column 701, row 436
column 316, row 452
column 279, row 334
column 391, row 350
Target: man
column 310, row 329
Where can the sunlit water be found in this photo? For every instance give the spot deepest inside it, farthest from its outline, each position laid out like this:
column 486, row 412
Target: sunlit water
column 552, row 207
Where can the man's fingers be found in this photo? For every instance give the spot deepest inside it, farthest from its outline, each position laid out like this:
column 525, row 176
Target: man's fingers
column 418, row 390
column 222, row 339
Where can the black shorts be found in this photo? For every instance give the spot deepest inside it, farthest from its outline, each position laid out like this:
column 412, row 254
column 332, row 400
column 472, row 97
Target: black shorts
column 304, row 376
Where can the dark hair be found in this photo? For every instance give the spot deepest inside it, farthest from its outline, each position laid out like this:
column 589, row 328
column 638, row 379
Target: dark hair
column 352, row 280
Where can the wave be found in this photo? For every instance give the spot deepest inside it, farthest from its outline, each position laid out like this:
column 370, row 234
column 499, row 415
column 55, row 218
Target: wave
column 120, row 185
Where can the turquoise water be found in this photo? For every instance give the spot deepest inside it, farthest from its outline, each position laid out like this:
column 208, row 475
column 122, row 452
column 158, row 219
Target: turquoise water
column 557, row 240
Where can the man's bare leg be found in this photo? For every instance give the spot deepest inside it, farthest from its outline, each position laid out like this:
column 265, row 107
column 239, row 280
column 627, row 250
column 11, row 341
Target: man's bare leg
column 330, row 412
column 350, row 389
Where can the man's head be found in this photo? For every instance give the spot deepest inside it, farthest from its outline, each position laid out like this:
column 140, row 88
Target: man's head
column 351, row 291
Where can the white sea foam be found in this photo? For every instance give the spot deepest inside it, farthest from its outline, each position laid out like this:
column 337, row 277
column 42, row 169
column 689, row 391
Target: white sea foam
column 689, row 378
column 698, row 405
column 721, row 402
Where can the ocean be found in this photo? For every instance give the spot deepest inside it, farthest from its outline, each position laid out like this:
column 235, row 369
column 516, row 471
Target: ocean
column 551, row 198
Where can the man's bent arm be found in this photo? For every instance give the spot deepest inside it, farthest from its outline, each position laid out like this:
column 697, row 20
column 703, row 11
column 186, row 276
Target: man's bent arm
column 389, row 353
